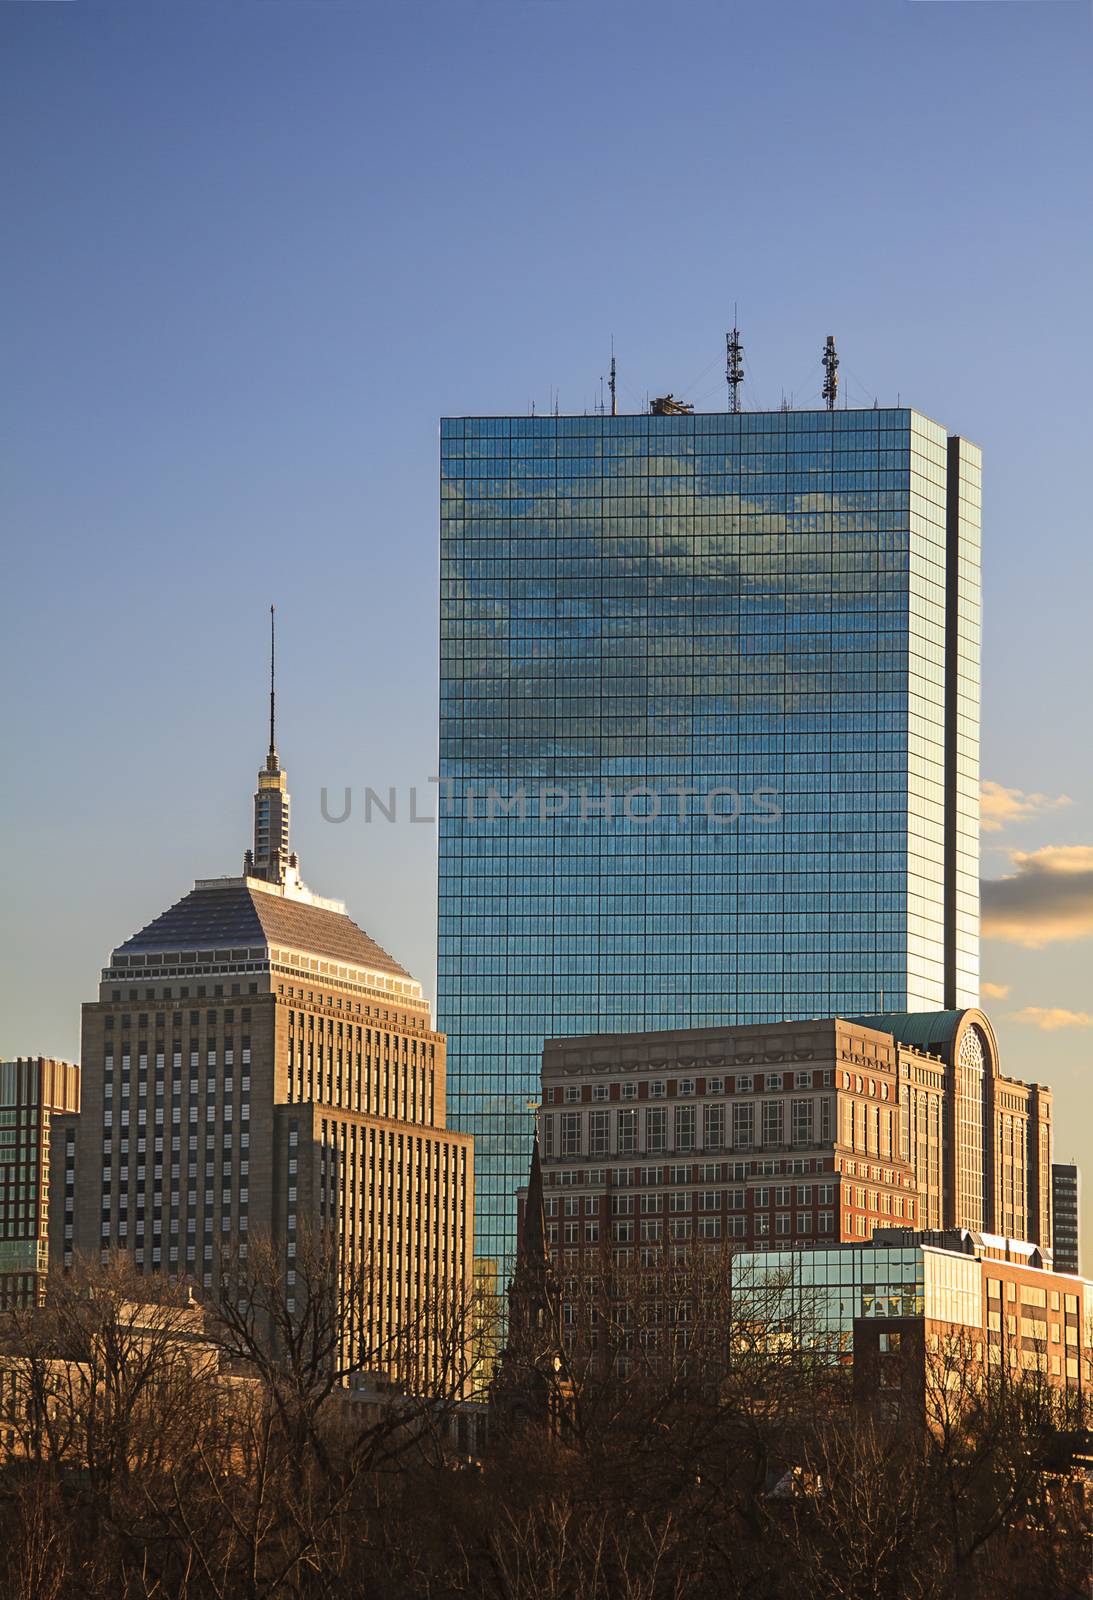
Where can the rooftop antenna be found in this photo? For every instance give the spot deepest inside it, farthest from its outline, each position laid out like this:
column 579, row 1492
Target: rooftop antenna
column 612, row 383
column 831, row 373
column 272, row 664
column 734, row 364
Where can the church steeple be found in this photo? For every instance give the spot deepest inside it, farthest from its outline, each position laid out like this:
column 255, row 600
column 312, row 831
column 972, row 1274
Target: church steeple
column 530, row 1385
column 269, row 857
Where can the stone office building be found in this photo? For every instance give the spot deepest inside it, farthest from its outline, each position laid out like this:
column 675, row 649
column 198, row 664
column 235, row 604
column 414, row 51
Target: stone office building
column 787, row 1136
column 254, row 1064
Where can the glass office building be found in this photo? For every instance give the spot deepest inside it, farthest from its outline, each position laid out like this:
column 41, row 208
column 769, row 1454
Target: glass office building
column 709, row 736
column 814, row 1296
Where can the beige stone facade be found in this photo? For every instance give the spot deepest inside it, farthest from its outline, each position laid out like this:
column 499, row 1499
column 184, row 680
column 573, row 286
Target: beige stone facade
column 255, row 1064
column 35, row 1163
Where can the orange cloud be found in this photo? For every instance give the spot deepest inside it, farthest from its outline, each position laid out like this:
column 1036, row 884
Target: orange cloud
column 1051, row 1018
column 999, row 806
column 1048, row 898
column 995, row 991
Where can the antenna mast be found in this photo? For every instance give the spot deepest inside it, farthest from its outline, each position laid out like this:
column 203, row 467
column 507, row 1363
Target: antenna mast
column 831, row 373
column 612, row 383
column 734, row 364
column 272, row 662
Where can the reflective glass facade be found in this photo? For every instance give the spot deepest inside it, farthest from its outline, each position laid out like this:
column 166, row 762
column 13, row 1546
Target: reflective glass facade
column 700, row 713
column 818, row 1293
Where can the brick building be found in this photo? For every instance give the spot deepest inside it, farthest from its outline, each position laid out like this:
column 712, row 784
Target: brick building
column 787, row 1135
column 978, row 1299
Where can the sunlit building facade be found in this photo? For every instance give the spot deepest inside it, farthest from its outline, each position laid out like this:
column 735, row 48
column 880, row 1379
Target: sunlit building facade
column 786, row 1136
column 37, row 1094
column 709, row 735
column 257, row 1067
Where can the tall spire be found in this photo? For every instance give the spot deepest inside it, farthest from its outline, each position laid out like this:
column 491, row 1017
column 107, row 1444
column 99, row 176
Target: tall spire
column 271, row 759
column 533, row 1240
column 270, row 857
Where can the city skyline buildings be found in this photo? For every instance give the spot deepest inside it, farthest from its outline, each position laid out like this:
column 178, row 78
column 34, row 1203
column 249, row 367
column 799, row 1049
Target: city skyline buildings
column 290, row 398
column 763, row 627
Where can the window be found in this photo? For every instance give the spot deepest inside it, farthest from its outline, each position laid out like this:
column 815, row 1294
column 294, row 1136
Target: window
column 743, row 1119
column 571, row 1133
column 781, row 1195
column 598, row 1133
column 657, row 1090
column 685, row 1086
column 715, row 1086
column 713, row 1130
column 781, row 1222
column 744, row 1082
column 572, row 1093
column 801, row 1122
column 802, row 1080
column 685, row 1127
column 628, row 1131
column 656, row 1129
column 772, row 1122
column 709, row 1227
column 628, row 1091
column 600, row 1091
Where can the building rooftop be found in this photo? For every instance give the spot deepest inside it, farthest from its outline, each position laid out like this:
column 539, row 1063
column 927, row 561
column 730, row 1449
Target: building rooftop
column 243, row 912
column 921, row 1030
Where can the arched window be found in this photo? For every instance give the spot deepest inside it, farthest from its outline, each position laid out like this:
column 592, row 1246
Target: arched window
column 972, row 1209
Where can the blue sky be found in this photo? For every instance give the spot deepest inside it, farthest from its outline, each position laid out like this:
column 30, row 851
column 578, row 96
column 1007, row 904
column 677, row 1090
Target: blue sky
column 255, row 250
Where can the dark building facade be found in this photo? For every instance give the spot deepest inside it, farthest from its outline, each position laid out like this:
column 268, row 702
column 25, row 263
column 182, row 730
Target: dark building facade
column 36, row 1168
column 1066, row 1195
column 256, row 1064
column 709, row 700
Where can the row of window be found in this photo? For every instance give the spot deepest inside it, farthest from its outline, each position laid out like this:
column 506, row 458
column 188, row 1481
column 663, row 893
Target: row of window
column 591, row 1133
column 657, row 1088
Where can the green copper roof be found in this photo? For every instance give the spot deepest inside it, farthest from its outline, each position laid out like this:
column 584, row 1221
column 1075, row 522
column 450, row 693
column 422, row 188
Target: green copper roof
column 921, row 1030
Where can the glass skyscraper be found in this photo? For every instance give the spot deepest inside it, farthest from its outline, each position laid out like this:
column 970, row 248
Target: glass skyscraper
column 709, row 736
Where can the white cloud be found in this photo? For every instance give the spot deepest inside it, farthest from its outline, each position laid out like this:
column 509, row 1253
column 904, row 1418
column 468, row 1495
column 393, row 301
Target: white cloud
column 999, row 806
column 1051, row 1018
